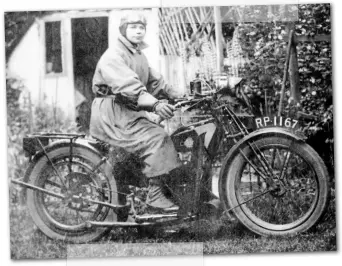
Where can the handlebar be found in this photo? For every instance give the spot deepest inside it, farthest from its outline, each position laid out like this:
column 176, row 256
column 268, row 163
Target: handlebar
column 181, row 102
column 188, row 101
column 305, row 116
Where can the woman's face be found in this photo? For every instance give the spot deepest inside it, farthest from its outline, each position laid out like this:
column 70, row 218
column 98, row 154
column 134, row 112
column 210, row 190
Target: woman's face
column 135, row 33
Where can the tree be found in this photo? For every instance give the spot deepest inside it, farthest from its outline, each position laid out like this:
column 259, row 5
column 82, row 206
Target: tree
column 16, row 25
column 265, row 45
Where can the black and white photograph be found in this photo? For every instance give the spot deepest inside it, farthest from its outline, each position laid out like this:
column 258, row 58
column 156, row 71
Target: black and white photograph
column 170, row 131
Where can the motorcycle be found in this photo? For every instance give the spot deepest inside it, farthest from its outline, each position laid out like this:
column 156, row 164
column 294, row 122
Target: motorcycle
column 270, row 180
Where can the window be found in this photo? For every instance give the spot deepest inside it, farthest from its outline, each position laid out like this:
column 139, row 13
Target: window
column 53, row 47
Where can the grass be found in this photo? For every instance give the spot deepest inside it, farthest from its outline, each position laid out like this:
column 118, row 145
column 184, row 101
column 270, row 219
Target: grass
column 27, row 242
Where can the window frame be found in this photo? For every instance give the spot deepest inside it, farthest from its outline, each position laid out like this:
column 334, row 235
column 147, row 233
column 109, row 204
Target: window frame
column 63, row 59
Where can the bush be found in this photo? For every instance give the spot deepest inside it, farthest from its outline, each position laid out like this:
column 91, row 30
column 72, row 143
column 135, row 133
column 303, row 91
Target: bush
column 22, row 119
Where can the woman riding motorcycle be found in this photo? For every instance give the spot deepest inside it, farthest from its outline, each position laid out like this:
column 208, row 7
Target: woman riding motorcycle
column 126, row 87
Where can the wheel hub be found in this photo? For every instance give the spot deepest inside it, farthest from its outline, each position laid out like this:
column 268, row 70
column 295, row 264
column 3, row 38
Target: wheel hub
column 79, row 189
column 279, row 188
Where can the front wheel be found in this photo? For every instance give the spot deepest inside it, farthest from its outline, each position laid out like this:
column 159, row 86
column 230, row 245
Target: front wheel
column 295, row 200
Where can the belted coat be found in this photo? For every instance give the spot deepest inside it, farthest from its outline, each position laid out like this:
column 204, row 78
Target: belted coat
column 125, row 69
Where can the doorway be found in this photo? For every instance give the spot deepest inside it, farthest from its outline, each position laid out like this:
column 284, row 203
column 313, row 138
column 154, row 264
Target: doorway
column 90, row 41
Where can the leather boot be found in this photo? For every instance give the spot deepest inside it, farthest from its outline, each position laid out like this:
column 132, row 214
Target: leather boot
column 156, row 197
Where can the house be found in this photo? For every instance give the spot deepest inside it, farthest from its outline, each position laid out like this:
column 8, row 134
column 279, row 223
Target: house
column 56, row 58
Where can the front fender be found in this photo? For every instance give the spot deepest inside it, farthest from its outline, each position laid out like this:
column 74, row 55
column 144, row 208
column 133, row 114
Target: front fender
column 273, row 131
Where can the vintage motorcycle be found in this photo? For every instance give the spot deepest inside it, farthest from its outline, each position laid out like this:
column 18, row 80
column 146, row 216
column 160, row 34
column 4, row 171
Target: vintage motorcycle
column 270, row 179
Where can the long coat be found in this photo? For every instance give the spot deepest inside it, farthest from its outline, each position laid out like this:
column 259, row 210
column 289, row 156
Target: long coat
column 126, row 71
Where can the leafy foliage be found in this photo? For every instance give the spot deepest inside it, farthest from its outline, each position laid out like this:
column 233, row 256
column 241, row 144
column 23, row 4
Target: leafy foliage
column 17, row 126
column 264, row 72
column 265, row 46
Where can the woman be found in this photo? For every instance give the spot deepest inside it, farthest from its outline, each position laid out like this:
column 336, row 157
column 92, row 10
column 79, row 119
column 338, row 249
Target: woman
column 126, row 87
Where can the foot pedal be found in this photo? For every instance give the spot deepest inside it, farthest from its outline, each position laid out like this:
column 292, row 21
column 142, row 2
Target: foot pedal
column 155, row 217
column 155, row 210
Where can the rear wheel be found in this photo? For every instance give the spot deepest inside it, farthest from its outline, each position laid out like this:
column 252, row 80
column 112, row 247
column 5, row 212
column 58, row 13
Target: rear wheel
column 75, row 179
column 298, row 196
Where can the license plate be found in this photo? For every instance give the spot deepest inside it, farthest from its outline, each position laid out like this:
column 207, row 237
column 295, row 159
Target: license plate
column 276, row 121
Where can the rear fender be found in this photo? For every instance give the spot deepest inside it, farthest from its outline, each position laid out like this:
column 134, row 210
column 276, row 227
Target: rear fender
column 62, row 143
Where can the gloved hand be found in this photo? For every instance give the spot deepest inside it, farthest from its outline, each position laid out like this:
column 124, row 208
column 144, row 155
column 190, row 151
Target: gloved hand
column 164, row 110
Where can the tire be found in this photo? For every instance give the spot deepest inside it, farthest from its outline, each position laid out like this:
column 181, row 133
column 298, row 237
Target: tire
column 53, row 216
column 302, row 191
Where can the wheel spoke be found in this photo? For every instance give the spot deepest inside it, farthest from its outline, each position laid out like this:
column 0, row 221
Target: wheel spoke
column 70, row 160
column 52, row 164
column 274, row 154
column 285, row 164
column 53, row 183
column 298, row 164
column 275, row 209
column 264, row 163
column 250, row 179
column 77, row 216
column 251, row 199
column 256, row 169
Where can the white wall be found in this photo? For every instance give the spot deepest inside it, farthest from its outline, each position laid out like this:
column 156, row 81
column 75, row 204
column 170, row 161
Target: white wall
column 24, row 63
column 27, row 63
